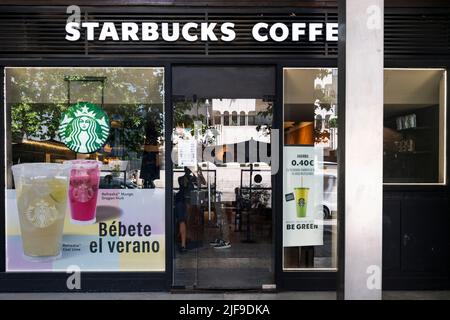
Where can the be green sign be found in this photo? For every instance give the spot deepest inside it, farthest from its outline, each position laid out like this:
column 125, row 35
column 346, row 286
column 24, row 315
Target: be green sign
column 84, row 127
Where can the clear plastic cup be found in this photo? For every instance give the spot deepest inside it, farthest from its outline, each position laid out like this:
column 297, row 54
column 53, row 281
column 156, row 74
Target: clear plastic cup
column 301, row 199
column 83, row 190
column 41, row 193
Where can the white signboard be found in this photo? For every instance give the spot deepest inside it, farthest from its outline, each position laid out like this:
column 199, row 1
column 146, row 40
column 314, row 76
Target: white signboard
column 302, row 196
column 187, row 153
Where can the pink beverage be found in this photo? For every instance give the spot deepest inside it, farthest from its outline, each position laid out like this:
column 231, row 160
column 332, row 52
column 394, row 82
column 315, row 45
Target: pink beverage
column 83, row 190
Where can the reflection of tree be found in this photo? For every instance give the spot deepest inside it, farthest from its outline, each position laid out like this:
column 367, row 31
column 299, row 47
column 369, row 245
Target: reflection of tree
column 266, row 129
column 324, row 96
column 30, row 120
column 183, row 117
column 321, row 136
column 134, row 119
column 333, row 122
column 325, row 102
column 42, row 95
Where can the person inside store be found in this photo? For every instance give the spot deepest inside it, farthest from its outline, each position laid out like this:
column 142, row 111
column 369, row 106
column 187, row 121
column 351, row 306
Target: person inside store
column 184, row 201
column 223, row 242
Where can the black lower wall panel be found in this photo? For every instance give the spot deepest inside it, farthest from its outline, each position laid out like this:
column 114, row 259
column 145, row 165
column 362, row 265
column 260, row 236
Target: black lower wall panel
column 21, row 282
column 416, row 240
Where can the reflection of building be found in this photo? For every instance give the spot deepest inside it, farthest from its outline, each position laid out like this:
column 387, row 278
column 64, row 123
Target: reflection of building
column 325, row 126
column 237, row 120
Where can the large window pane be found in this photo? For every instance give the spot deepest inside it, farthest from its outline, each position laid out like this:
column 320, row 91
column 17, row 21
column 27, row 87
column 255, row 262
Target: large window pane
column 310, row 169
column 414, row 126
column 222, row 195
column 117, row 119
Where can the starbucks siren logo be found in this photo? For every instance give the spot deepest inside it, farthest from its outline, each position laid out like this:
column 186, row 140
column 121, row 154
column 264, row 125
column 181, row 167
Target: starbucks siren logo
column 42, row 214
column 84, row 127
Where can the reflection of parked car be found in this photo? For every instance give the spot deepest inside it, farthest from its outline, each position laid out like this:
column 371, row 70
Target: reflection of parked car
column 329, row 195
column 119, row 165
column 329, row 189
column 110, row 182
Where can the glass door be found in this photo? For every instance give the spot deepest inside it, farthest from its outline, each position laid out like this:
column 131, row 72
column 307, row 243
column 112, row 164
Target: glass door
column 222, row 195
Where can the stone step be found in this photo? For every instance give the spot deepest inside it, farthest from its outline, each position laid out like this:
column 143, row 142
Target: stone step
column 193, row 262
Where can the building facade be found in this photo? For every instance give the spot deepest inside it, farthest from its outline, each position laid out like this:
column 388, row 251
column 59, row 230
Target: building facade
column 224, row 160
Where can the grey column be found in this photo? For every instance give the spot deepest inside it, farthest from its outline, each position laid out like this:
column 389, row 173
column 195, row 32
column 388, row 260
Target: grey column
column 363, row 148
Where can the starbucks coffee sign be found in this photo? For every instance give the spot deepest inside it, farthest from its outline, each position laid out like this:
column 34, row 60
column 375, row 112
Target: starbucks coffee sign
column 84, row 127
column 77, row 29
column 194, row 31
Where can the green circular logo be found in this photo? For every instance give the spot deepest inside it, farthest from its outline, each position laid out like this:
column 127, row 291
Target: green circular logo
column 84, row 127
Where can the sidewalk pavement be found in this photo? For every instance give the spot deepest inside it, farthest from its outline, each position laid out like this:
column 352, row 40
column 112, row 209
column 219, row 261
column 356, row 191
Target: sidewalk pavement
column 291, row 295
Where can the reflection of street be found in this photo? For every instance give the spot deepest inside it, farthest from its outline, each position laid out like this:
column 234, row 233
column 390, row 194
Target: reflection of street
column 332, row 222
column 329, row 174
column 227, row 178
column 110, row 179
column 323, row 255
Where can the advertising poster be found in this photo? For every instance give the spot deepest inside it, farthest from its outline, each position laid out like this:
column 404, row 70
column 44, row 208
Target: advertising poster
column 302, row 196
column 128, row 234
column 81, row 212
column 187, row 152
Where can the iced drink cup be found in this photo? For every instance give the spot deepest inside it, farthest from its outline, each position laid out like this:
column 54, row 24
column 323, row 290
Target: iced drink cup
column 41, row 191
column 301, row 200
column 83, row 190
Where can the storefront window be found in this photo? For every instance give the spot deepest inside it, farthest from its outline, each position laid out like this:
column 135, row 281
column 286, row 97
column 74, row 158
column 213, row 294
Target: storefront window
column 222, row 195
column 104, row 211
column 414, row 126
column 310, row 169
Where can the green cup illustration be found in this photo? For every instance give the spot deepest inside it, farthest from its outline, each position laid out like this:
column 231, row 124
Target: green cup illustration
column 301, row 200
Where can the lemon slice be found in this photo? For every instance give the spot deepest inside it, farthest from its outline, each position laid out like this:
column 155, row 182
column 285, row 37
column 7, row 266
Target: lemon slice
column 59, row 195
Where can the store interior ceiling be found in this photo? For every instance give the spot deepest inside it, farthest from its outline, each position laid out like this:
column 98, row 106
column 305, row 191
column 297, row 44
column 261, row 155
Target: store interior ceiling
column 408, row 90
column 404, row 90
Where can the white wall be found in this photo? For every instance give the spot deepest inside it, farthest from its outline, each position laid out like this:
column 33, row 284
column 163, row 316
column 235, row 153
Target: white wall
column 363, row 149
